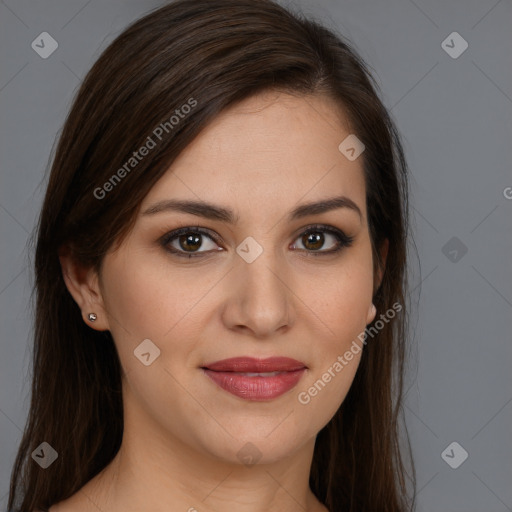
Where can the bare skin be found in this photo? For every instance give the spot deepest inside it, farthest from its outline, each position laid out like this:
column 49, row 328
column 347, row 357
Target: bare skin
column 183, row 434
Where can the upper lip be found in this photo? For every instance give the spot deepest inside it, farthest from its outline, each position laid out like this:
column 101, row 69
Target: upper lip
column 253, row 365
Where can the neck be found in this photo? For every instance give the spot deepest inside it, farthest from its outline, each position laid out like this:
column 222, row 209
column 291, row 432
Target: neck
column 154, row 470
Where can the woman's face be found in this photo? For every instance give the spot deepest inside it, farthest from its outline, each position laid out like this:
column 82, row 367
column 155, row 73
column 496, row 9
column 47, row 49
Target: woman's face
column 257, row 285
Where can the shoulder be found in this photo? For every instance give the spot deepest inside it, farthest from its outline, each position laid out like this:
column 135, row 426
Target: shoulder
column 78, row 502
column 69, row 505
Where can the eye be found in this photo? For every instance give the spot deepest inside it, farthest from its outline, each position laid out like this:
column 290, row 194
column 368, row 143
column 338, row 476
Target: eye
column 314, row 238
column 186, row 241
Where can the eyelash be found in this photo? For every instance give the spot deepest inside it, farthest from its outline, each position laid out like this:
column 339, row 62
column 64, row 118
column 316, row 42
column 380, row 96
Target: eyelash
column 343, row 239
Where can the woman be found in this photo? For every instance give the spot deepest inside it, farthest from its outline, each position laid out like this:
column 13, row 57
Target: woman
column 220, row 277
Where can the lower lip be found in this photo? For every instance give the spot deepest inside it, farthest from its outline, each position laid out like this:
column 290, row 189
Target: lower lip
column 256, row 388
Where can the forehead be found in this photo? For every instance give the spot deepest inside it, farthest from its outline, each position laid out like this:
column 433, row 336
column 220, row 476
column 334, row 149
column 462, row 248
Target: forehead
column 270, row 147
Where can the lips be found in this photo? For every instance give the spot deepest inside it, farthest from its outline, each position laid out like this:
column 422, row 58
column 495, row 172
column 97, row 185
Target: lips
column 256, row 379
column 250, row 364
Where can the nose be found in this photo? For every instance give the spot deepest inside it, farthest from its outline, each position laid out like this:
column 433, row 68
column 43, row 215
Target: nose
column 259, row 300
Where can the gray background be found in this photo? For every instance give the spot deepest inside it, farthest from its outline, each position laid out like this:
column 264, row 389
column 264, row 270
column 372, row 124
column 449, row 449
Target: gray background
column 455, row 118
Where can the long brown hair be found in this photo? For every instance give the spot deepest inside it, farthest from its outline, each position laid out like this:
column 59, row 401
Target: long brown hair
column 215, row 52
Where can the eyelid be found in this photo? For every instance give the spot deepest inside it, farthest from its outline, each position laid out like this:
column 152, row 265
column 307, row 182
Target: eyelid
column 168, row 237
column 343, row 239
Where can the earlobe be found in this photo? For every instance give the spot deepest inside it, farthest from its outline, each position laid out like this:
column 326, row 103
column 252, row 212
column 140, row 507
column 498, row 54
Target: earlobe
column 83, row 285
column 372, row 312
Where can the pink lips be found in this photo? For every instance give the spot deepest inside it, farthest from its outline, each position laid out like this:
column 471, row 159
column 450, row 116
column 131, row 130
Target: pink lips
column 237, row 376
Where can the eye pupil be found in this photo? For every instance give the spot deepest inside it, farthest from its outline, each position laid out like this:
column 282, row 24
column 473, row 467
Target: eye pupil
column 190, row 241
column 317, row 239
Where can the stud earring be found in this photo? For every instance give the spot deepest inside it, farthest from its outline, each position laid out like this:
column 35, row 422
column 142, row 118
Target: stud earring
column 92, row 317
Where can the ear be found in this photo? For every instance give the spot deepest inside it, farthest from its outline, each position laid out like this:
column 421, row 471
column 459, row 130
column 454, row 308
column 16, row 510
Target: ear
column 83, row 285
column 381, row 268
column 383, row 252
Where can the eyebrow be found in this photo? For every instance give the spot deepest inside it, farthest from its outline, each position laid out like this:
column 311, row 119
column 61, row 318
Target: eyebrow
column 214, row 212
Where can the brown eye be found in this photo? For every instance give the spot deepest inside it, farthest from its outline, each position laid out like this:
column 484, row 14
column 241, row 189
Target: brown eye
column 190, row 242
column 187, row 242
column 315, row 238
column 313, row 241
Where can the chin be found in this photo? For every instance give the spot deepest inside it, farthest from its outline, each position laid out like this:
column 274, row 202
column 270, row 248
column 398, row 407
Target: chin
column 251, row 445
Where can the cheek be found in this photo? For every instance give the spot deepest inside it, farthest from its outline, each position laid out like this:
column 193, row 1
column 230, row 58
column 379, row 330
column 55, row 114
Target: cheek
column 147, row 298
column 340, row 298
column 341, row 307
column 338, row 352
column 323, row 392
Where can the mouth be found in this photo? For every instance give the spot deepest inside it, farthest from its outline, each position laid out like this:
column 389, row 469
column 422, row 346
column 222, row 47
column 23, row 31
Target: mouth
column 256, row 379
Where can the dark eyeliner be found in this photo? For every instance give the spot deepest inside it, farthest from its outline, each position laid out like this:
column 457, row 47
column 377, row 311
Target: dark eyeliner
column 343, row 239
column 168, row 237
